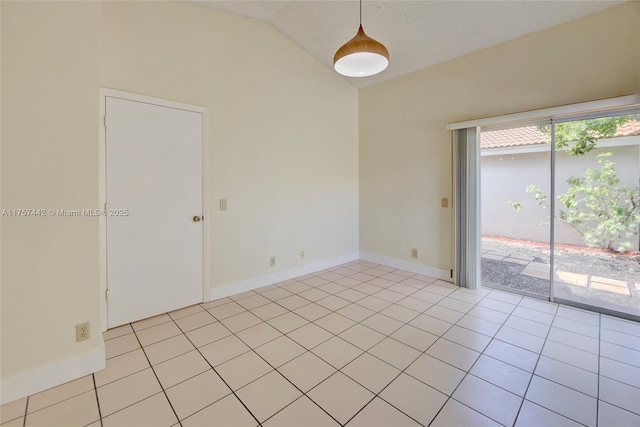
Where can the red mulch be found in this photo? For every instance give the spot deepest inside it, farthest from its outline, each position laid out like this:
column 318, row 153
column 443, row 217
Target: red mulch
column 573, row 248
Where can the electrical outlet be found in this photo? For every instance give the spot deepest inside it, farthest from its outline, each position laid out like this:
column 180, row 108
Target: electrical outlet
column 414, row 253
column 272, row 261
column 444, row 203
column 301, row 254
column 82, row 331
column 223, row 204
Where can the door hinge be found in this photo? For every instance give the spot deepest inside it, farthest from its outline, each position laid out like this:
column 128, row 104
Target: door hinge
column 106, row 295
column 451, row 273
column 104, row 120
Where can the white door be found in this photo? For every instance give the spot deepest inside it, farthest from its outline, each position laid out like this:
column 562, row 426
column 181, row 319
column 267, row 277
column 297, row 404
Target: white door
column 153, row 192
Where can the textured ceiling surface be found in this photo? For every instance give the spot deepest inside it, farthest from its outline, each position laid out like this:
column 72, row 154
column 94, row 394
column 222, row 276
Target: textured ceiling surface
column 418, row 33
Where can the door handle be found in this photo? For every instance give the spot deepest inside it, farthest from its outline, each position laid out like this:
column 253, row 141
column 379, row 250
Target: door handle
column 197, row 218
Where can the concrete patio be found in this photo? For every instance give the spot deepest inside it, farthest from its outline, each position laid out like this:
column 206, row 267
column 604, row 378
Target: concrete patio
column 592, row 279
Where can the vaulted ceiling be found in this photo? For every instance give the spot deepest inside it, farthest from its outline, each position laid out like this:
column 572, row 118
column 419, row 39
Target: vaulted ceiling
column 418, row 33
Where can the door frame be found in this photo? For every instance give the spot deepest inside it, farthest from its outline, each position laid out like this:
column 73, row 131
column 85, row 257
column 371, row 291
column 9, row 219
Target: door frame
column 102, row 188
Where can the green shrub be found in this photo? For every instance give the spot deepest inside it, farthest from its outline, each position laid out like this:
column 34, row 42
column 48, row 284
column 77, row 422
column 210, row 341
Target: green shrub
column 604, row 211
column 601, row 208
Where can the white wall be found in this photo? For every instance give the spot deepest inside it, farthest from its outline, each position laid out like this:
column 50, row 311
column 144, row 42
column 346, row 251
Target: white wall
column 283, row 151
column 405, row 151
column 50, row 61
column 283, row 129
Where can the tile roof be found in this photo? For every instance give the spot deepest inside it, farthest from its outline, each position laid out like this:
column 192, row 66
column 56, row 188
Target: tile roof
column 531, row 135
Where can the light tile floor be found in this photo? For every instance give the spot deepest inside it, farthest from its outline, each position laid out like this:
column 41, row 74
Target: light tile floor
column 357, row 345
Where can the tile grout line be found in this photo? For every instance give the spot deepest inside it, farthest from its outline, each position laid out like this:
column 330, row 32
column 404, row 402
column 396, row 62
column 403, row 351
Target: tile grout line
column 213, row 367
column 569, row 345
column 401, row 371
column 52, row 404
column 157, row 379
column 221, row 378
column 251, row 349
column 305, row 394
column 621, row 408
column 551, row 340
column 336, row 336
column 375, row 395
column 95, row 390
column 540, row 355
column 533, row 371
column 350, row 302
column 332, row 311
column 26, row 412
column 635, row 349
column 389, row 336
column 468, row 372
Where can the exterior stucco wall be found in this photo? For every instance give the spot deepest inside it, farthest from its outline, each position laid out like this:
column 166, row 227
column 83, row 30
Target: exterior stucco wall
column 506, row 176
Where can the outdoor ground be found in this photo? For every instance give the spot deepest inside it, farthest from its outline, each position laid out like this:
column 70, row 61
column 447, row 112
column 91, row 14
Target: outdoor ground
column 584, row 275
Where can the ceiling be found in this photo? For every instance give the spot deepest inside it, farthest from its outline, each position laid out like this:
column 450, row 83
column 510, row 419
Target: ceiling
column 417, row 33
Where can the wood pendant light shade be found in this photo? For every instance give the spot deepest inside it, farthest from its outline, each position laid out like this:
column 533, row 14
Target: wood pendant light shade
column 361, row 56
column 361, row 43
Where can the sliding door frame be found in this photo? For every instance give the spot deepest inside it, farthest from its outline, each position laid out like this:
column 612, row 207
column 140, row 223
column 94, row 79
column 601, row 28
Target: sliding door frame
column 552, row 215
column 582, row 111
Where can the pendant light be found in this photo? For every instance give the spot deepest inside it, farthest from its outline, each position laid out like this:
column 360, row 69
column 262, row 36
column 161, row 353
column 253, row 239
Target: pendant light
column 361, row 56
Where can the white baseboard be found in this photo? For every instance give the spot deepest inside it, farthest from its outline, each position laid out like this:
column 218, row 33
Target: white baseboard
column 407, row 265
column 24, row 384
column 269, row 279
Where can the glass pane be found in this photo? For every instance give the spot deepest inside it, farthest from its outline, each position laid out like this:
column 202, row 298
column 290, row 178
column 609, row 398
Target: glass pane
column 597, row 262
column 515, row 174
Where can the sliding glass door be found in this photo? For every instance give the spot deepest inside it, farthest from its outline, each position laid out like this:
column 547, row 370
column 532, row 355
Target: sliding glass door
column 561, row 210
column 597, row 213
column 515, row 236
